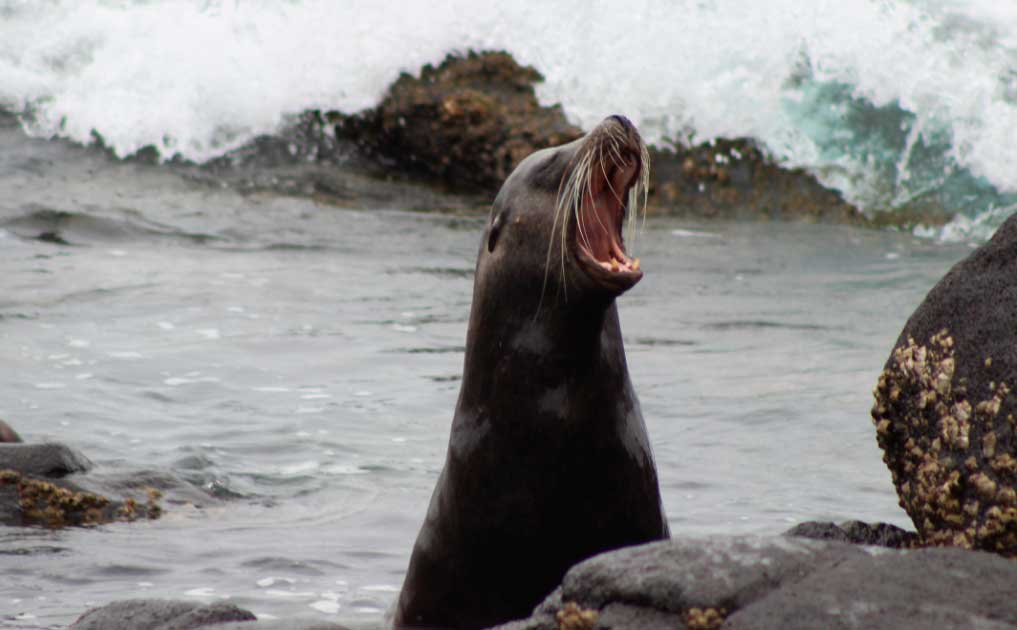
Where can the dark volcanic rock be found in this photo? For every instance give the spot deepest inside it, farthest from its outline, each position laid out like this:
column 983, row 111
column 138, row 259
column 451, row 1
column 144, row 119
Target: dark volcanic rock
column 858, row 533
column 158, row 614
column 916, row 590
column 780, row 583
column 669, row 582
column 51, row 460
column 945, row 409
column 734, row 179
column 676, row 576
column 466, row 123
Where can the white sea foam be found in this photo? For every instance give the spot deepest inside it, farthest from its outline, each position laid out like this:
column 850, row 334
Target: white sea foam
column 271, row 581
column 198, row 78
column 327, row 606
column 176, row 381
column 127, row 355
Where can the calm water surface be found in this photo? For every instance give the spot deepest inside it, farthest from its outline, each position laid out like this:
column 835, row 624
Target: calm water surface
column 306, row 359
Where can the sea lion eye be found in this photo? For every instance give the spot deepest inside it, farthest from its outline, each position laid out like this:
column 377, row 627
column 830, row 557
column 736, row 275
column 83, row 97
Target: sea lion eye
column 496, row 225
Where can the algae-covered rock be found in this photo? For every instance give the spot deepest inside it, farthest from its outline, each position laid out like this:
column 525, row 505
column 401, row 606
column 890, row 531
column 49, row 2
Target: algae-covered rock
column 36, row 489
column 26, row 500
column 466, row 122
column 735, row 179
column 945, row 409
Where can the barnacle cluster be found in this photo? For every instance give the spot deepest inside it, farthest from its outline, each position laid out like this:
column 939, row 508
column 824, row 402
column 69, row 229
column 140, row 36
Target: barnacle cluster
column 573, row 617
column 704, row 618
column 51, row 505
column 950, row 448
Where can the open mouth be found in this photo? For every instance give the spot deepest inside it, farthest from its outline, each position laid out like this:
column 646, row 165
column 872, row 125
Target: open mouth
column 600, row 249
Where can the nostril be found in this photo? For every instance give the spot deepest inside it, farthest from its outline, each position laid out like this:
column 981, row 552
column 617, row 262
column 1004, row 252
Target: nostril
column 625, row 122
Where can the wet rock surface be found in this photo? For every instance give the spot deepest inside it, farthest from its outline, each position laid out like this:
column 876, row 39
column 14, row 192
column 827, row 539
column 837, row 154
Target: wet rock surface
column 945, row 409
column 465, row 123
column 54, row 485
column 158, row 614
column 857, row 533
column 51, row 459
column 735, row 179
column 780, row 582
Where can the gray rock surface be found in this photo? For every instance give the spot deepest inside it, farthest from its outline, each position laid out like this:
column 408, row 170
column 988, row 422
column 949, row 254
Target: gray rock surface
column 916, row 590
column 160, row 614
column 51, row 460
column 784, row 583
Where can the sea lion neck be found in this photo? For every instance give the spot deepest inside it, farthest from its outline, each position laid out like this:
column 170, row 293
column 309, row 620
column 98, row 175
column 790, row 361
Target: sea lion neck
column 528, row 352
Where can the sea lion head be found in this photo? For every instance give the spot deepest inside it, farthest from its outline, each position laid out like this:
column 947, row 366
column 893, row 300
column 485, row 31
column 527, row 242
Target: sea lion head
column 564, row 208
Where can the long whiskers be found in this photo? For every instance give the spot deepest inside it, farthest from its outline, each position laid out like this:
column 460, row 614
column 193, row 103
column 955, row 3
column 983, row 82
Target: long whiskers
column 576, row 188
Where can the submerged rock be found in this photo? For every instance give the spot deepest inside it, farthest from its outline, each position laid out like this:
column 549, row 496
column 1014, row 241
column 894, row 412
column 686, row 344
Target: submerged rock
column 54, row 485
column 466, row 123
column 152, row 614
column 945, row 409
column 27, row 500
column 779, row 582
column 161, row 614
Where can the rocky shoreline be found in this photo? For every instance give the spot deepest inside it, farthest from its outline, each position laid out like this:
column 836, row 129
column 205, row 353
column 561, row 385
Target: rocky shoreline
column 446, row 137
column 787, row 582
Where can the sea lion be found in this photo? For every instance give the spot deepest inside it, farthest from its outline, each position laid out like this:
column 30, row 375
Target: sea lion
column 548, row 460
column 7, row 434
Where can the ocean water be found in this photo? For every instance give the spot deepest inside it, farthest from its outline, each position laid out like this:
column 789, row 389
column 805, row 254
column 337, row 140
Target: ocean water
column 303, row 359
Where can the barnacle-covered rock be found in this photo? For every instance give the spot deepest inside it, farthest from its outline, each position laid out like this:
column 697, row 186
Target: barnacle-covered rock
column 945, row 406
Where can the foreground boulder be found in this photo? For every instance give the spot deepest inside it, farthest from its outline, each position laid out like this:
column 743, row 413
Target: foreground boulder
column 466, row 123
column 945, row 409
column 159, row 614
column 779, row 582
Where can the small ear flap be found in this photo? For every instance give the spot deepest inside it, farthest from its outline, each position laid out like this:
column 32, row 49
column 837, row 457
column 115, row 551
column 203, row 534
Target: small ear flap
column 496, row 225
